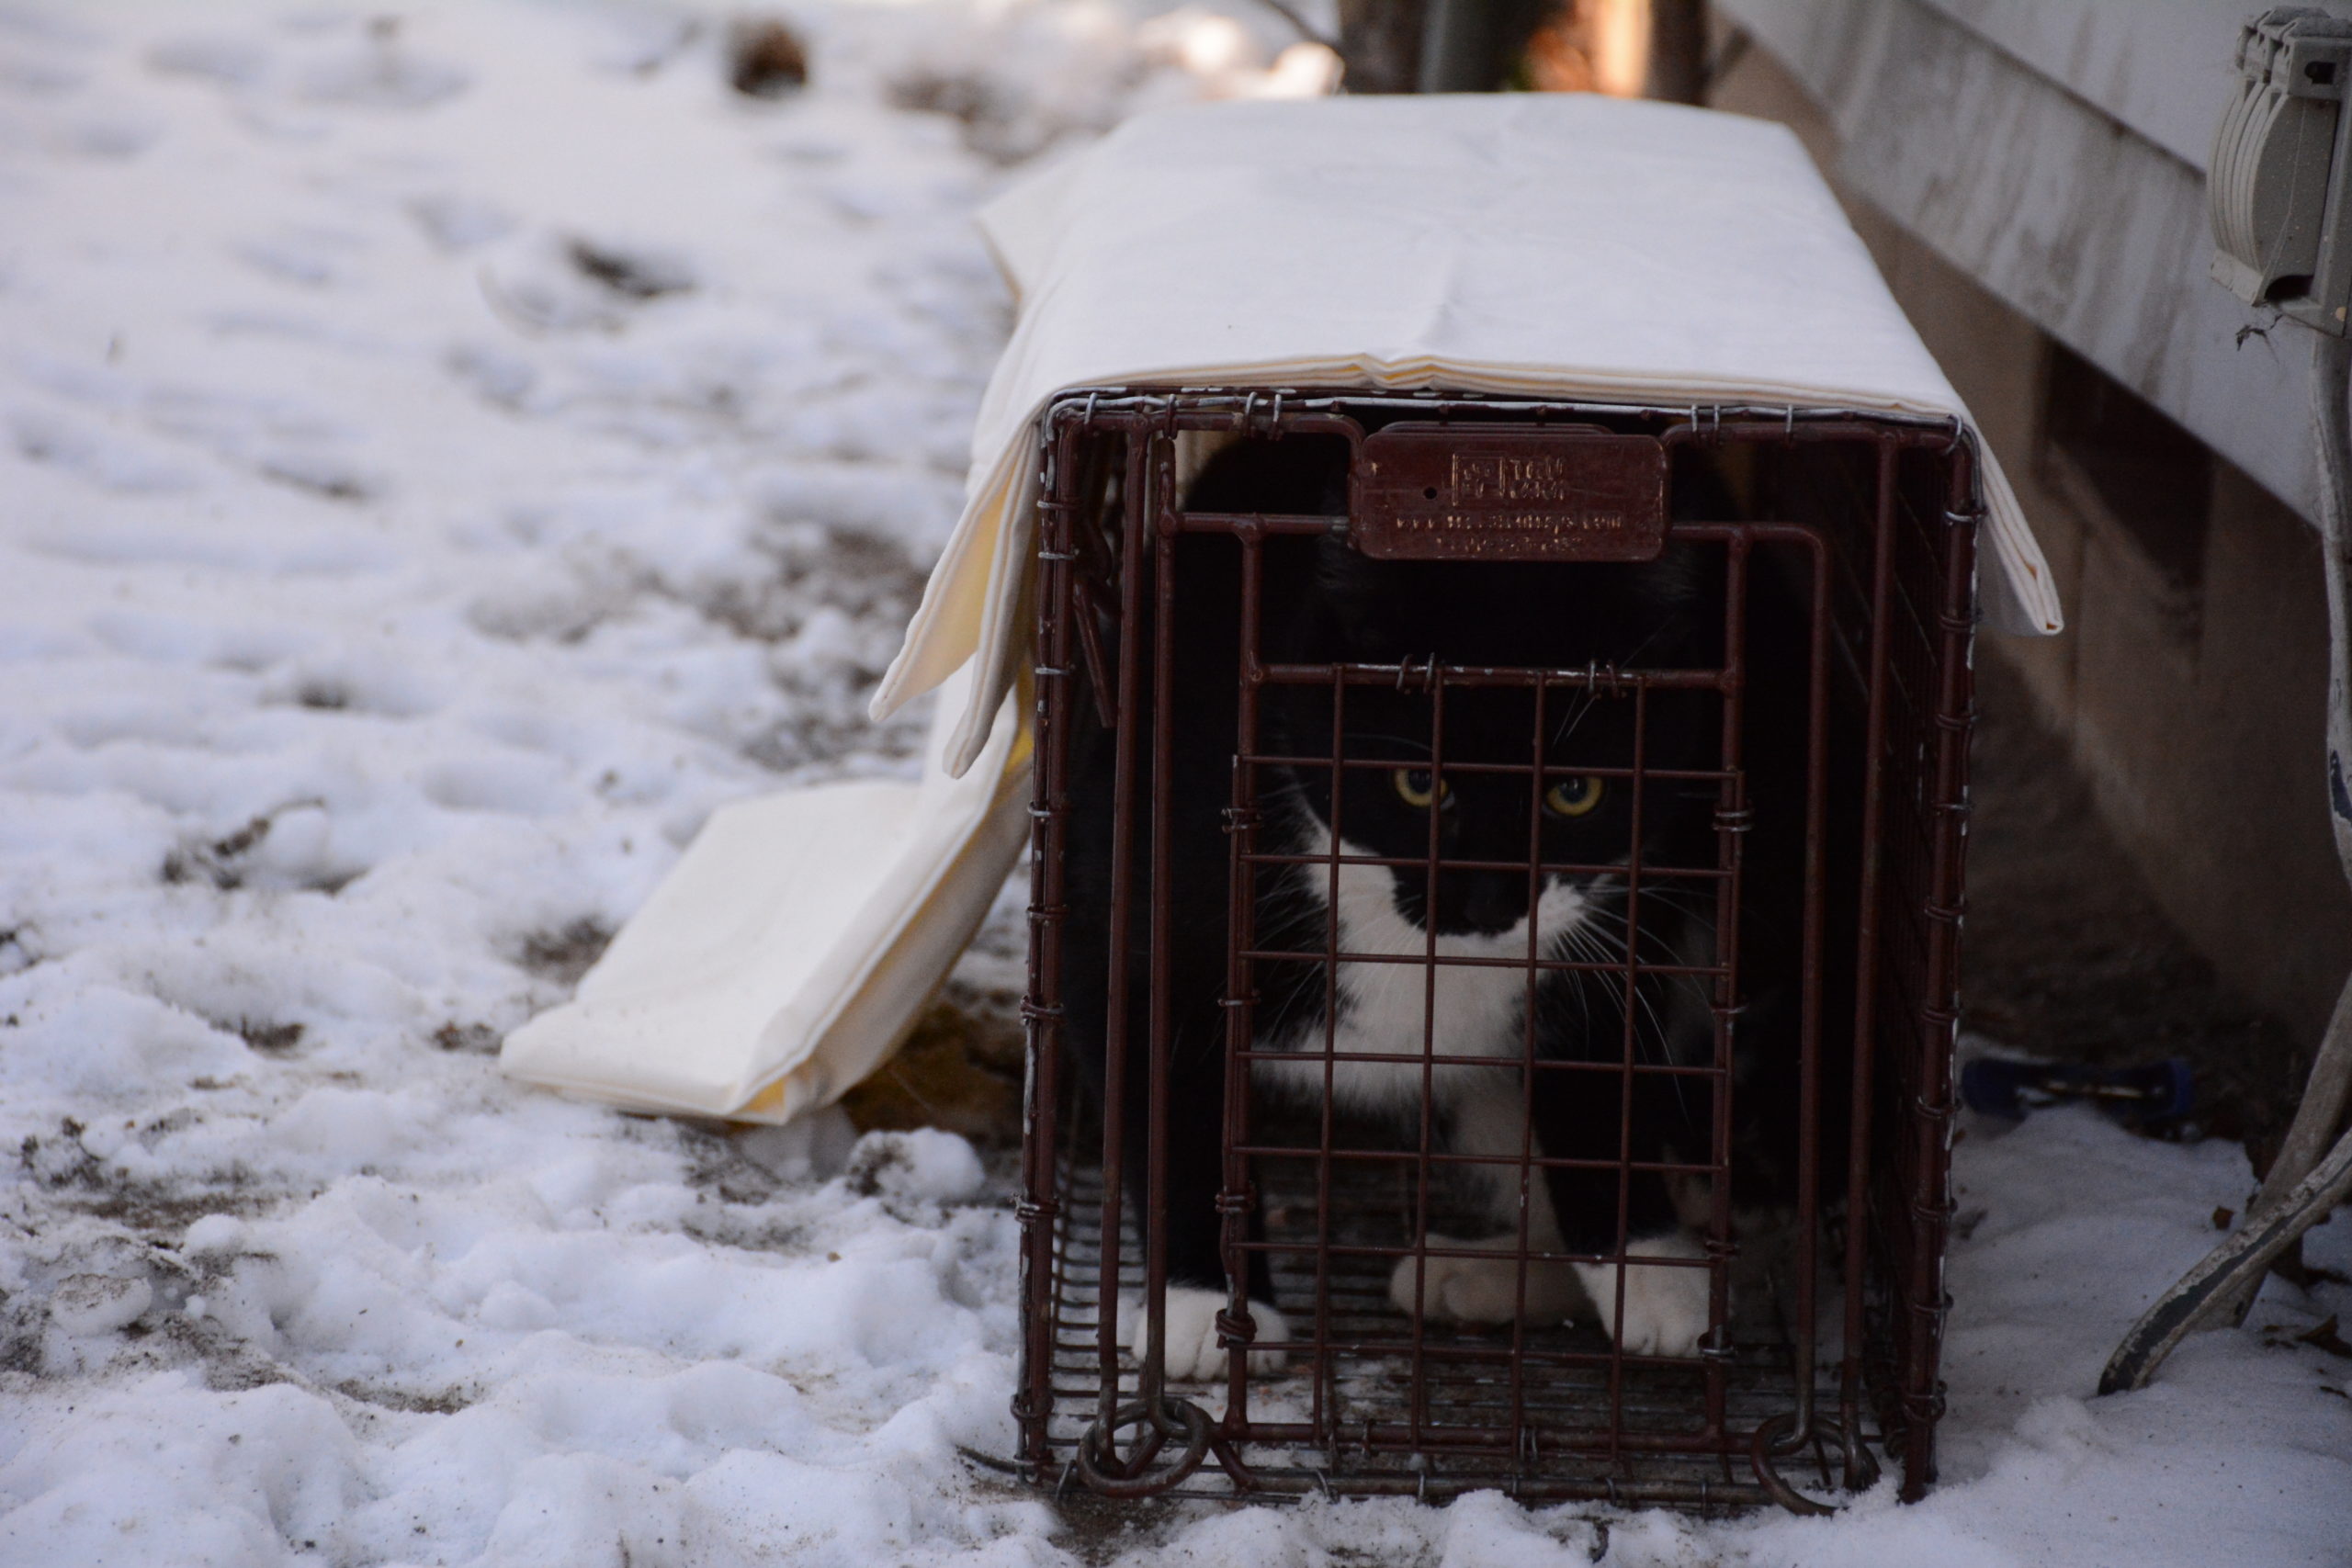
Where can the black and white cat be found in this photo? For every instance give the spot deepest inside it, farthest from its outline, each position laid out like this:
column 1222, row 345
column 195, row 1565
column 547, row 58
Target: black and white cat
column 1555, row 617
column 1327, row 603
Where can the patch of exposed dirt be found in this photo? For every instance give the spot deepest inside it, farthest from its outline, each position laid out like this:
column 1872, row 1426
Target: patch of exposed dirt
column 270, row 1038
column 563, row 955
column 631, row 275
column 221, row 861
column 474, row 1039
column 960, row 1069
column 448, row 1402
column 718, row 1167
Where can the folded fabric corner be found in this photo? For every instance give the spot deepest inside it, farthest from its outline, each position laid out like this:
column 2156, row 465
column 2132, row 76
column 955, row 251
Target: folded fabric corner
column 791, row 948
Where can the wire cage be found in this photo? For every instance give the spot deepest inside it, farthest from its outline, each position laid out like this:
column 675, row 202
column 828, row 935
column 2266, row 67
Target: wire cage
column 1753, row 945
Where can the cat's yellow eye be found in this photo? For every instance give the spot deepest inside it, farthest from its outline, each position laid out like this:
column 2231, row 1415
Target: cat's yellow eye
column 1417, row 787
column 1575, row 796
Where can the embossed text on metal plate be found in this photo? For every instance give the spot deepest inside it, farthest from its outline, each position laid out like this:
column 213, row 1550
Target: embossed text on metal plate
column 1423, row 491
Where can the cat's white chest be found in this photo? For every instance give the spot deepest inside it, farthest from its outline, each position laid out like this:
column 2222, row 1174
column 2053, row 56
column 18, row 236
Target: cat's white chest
column 1406, row 1010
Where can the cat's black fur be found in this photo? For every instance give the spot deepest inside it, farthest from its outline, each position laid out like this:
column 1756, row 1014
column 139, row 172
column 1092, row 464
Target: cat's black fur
column 1326, row 602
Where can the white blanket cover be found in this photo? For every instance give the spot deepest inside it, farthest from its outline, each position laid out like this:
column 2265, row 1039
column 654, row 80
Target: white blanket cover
column 1556, row 245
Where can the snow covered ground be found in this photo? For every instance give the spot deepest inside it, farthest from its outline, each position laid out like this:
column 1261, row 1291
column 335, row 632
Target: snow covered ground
column 443, row 454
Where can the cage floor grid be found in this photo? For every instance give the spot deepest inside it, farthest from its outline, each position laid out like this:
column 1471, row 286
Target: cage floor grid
column 1568, row 1449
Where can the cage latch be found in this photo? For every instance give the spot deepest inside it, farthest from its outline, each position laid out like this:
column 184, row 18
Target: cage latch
column 1100, row 1466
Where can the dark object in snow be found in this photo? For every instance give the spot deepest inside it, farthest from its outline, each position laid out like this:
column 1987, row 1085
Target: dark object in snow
column 221, row 861
column 271, row 1039
column 2327, row 1337
column 635, row 275
column 2141, row 1098
column 478, row 1038
column 1829, row 872
column 565, row 955
column 2322, row 1335
column 765, row 59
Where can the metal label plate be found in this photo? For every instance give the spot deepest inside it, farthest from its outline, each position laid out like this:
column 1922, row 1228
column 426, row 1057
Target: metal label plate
column 1454, row 492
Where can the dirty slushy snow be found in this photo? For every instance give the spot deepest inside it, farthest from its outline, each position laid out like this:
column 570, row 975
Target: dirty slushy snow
column 443, row 454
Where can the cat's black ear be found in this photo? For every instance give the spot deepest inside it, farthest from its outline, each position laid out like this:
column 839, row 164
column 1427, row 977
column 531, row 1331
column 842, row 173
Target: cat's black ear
column 1682, row 577
column 1354, row 596
column 1683, row 588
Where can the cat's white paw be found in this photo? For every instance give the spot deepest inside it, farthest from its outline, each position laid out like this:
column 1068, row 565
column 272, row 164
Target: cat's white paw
column 1192, row 1351
column 1666, row 1308
column 1483, row 1290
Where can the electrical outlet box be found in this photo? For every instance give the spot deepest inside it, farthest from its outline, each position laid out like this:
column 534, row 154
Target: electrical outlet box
column 2280, row 187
